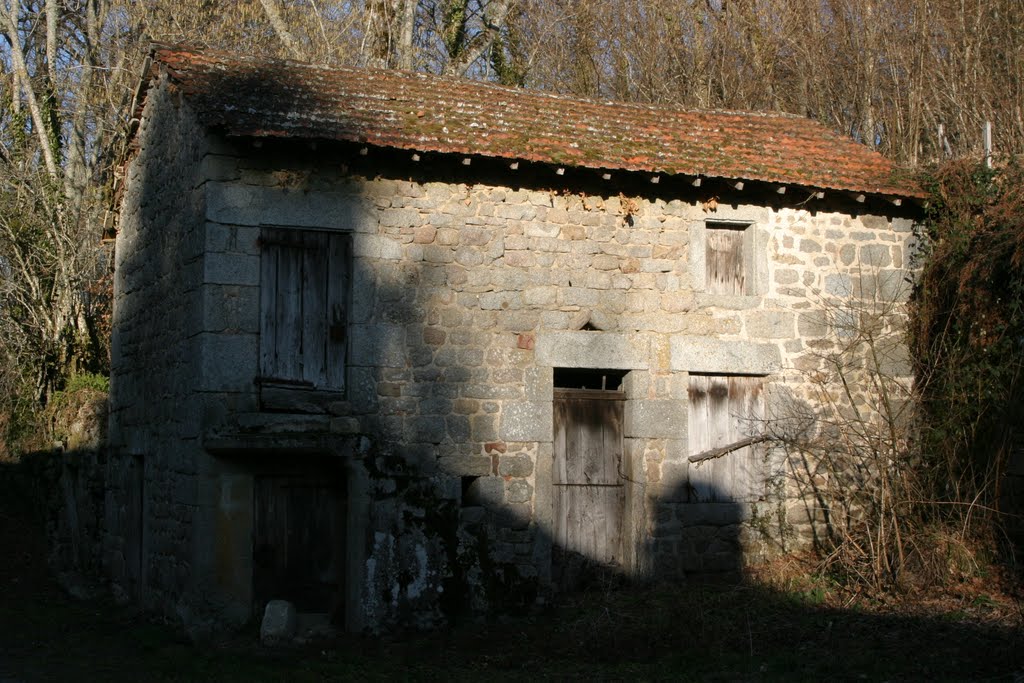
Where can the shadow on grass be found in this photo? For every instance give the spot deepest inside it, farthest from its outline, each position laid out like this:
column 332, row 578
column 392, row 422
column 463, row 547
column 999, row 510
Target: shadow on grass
column 679, row 631
column 698, row 632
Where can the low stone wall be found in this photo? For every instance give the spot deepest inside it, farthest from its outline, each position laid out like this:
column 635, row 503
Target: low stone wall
column 78, row 519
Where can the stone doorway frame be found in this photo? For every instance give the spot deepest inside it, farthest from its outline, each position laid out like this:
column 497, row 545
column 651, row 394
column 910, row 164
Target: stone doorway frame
column 237, row 461
column 596, row 350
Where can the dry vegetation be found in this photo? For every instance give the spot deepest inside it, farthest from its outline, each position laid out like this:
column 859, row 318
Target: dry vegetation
column 967, row 334
column 904, row 461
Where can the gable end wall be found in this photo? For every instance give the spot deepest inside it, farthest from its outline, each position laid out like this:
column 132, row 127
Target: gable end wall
column 154, row 422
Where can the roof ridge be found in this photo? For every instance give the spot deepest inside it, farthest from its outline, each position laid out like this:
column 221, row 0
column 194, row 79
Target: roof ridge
column 262, row 96
column 512, row 89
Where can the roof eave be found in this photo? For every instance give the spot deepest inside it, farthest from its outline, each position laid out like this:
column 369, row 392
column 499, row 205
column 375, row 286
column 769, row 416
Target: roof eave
column 895, row 195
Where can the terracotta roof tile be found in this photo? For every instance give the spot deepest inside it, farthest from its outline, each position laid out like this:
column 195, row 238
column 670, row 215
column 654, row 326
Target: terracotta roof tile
column 251, row 96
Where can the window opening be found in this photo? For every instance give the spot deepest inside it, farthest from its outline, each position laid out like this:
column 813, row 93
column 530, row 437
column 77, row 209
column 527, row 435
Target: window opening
column 585, row 378
column 723, row 411
column 470, row 491
column 305, row 278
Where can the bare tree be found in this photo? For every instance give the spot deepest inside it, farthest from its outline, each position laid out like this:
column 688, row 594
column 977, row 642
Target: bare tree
column 887, row 73
column 277, row 21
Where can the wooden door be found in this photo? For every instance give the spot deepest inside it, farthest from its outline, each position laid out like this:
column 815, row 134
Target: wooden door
column 299, row 541
column 589, row 496
column 135, row 520
column 725, row 409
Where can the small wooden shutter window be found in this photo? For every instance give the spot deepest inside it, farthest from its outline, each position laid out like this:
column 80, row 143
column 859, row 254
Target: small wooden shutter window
column 305, row 278
column 724, row 260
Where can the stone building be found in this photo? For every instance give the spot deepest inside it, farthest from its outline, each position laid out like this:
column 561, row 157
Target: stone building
column 392, row 346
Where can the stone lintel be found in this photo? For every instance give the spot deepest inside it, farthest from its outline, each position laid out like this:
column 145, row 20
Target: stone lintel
column 240, row 204
column 587, row 349
column 706, row 354
column 289, row 445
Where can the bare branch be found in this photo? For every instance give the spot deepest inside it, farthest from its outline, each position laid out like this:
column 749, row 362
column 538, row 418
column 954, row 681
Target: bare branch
column 281, row 28
column 725, row 450
column 494, row 19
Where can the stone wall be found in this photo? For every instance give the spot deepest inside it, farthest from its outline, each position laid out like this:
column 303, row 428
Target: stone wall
column 467, row 294
column 154, row 426
column 465, row 298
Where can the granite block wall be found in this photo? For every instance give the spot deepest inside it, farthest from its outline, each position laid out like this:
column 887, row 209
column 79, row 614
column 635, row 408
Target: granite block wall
column 466, row 297
column 154, row 426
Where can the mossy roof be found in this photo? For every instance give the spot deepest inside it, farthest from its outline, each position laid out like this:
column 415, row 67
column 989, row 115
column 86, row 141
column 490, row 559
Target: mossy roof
column 261, row 97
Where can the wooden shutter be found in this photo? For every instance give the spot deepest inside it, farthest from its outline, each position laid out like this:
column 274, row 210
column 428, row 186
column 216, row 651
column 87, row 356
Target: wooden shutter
column 724, row 260
column 724, row 410
column 305, row 280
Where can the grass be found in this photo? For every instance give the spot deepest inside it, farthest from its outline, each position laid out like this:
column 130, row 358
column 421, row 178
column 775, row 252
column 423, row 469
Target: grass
column 690, row 632
column 784, row 625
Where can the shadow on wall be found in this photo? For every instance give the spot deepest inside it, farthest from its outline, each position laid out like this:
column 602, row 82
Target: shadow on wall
column 454, row 519
column 437, row 498
column 455, row 515
column 400, row 495
column 690, row 540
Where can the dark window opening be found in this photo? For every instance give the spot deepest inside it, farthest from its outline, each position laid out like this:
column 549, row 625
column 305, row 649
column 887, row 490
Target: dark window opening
column 470, row 492
column 585, row 378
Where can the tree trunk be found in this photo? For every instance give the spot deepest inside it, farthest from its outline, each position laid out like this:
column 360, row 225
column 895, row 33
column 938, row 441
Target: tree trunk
column 281, row 29
column 21, row 72
column 404, row 47
column 494, row 18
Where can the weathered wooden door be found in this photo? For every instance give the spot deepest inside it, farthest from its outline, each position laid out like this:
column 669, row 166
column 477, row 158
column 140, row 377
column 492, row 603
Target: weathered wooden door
column 589, row 495
column 299, row 541
column 725, row 409
column 134, row 519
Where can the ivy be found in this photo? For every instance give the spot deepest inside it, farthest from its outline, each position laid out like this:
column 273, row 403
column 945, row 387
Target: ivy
column 968, row 326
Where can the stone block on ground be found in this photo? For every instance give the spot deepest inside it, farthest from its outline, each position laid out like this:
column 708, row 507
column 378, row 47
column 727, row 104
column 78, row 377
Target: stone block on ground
column 279, row 623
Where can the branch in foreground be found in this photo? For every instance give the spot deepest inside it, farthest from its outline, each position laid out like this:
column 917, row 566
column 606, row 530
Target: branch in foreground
column 725, row 450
